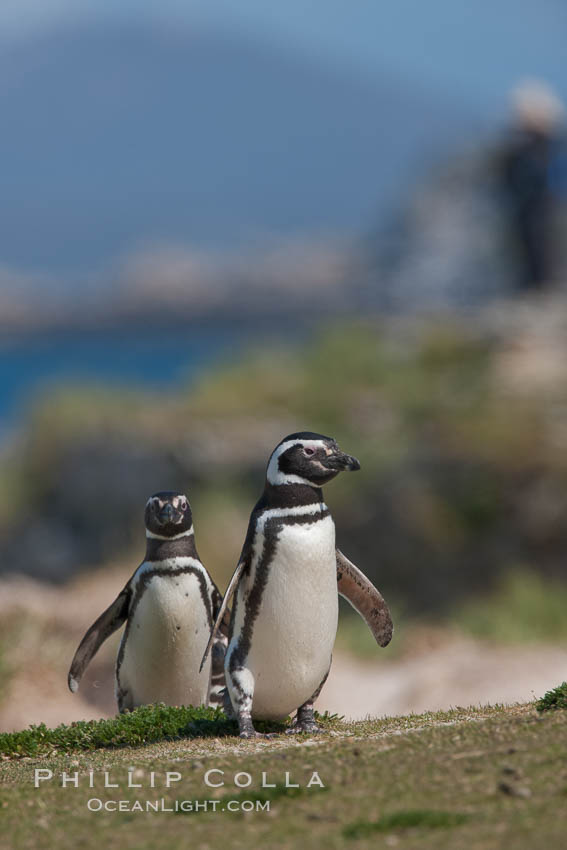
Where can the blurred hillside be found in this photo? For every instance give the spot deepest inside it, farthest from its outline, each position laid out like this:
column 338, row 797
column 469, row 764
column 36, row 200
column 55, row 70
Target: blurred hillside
column 460, row 426
column 127, row 137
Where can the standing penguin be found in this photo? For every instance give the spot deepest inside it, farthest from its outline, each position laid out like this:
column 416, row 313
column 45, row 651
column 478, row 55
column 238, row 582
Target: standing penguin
column 169, row 606
column 285, row 613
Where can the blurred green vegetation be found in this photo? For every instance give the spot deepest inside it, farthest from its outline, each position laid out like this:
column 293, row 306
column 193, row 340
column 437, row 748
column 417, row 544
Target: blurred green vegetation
column 463, row 473
column 524, row 607
column 554, row 699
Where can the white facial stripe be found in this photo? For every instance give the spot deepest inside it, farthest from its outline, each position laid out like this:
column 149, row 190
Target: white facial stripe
column 274, row 474
column 172, row 537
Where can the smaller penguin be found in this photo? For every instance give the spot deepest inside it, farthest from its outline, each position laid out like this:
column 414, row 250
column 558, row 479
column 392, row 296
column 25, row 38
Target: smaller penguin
column 169, row 606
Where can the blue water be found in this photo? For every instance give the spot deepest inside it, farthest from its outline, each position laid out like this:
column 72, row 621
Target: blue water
column 154, row 359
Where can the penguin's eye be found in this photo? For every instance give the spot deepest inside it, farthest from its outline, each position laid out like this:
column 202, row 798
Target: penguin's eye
column 183, row 504
column 308, row 451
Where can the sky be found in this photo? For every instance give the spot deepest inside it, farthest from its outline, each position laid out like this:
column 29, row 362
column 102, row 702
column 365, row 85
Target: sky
column 479, row 49
column 359, row 98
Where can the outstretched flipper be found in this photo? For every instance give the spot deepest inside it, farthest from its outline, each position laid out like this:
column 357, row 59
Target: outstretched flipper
column 222, row 615
column 108, row 622
column 365, row 599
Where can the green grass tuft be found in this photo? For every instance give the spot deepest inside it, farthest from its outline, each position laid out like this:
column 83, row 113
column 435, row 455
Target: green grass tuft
column 405, row 819
column 554, row 699
column 328, row 719
column 145, row 725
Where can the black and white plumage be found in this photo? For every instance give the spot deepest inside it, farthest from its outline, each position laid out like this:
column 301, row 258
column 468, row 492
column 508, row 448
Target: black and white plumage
column 169, row 606
column 284, row 618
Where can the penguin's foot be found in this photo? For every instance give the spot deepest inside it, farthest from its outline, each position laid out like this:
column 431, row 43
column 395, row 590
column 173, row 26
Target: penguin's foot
column 305, row 720
column 308, row 726
column 247, row 729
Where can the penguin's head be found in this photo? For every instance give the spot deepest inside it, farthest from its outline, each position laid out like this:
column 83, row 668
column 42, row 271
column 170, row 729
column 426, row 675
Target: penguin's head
column 308, row 458
column 168, row 515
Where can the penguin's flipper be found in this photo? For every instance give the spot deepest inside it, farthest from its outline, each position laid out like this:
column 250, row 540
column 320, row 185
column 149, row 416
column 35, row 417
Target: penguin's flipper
column 222, row 615
column 365, row 599
column 101, row 629
column 218, row 652
column 217, row 602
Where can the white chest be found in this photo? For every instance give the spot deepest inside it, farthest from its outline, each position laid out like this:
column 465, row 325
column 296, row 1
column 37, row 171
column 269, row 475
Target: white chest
column 168, row 606
column 294, row 631
column 302, row 572
column 167, row 633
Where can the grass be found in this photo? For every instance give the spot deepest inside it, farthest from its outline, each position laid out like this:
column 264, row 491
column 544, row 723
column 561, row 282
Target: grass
column 476, row 778
column 157, row 723
column 554, row 699
column 267, row 795
column 405, row 819
column 145, row 725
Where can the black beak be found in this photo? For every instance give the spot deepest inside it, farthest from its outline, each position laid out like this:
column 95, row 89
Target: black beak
column 341, row 462
column 166, row 514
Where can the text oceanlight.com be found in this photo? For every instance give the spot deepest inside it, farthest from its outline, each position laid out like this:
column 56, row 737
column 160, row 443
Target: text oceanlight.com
column 95, row 804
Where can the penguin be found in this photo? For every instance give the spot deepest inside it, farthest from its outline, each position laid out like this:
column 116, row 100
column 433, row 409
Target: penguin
column 285, row 613
column 169, row 606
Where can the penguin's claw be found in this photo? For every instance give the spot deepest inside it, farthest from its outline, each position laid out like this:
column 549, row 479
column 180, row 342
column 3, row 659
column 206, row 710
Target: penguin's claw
column 309, row 728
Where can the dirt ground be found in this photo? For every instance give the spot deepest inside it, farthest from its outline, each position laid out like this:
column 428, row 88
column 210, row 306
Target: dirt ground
column 41, row 626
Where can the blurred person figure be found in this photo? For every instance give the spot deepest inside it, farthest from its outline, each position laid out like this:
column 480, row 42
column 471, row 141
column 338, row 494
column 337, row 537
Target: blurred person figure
column 531, row 164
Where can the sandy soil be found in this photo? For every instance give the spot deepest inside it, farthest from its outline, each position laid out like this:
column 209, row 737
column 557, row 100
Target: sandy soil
column 461, row 673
